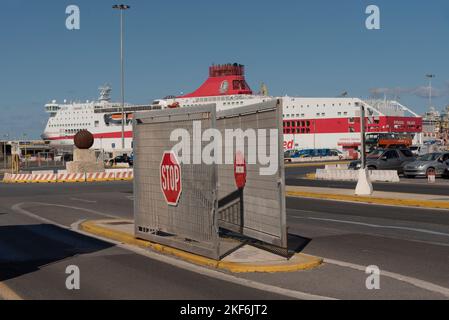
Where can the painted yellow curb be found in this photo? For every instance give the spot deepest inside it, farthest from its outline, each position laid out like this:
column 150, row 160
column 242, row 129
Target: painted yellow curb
column 371, row 200
column 309, row 262
column 313, row 164
column 64, row 181
column 6, row 293
column 311, row 176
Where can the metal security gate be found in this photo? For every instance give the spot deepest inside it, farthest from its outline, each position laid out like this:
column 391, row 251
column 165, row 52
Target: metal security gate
column 191, row 223
column 183, row 202
column 257, row 210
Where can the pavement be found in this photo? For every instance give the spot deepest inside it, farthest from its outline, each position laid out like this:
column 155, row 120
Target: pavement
column 39, row 238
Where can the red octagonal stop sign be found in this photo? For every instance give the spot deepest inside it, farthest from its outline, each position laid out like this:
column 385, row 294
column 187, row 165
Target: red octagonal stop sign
column 240, row 170
column 171, row 183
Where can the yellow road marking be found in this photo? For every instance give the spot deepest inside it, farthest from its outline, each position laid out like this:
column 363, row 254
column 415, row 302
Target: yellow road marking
column 6, row 293
column 371, row 200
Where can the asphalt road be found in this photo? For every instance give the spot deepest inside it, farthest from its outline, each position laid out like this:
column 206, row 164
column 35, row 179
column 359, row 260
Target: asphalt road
column 36, row 247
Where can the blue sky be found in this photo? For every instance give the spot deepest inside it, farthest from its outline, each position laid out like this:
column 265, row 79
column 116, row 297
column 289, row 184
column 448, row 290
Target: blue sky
column 297, row 47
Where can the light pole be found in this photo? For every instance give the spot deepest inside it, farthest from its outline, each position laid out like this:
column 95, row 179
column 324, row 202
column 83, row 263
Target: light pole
column 122, row 7
column 6, row 136
column 25, row 143
column 364, row 186
column 430, row 77
column 362, row 136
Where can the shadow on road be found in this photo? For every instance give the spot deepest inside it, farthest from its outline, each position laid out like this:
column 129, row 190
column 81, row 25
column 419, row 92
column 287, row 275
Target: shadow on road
column 27, row 248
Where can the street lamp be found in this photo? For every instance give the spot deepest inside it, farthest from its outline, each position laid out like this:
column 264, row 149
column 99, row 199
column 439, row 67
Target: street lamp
column 122, row 7
column 430, row 77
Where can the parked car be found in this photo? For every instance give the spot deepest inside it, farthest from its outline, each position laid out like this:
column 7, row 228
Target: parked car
column 119, row 159
column 429, row 164
column 289, row 154
column 386, row 159
column 66, row 157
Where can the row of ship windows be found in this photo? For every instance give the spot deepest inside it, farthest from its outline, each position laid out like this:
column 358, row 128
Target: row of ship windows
column 324, row 105
column 233, row 103
column 68, row 125
column 322, row 114
column 72, row 130
column 212, row 99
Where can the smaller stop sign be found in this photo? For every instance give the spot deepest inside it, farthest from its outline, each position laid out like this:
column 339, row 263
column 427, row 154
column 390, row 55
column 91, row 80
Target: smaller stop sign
column 171, row 183
column 240, row 170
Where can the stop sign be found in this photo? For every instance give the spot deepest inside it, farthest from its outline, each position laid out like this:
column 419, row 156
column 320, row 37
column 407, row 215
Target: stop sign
column 171, row 183
column 240, row 170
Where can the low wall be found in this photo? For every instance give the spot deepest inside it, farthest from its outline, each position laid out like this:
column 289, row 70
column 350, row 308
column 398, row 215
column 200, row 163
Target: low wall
column 353, row 175
column 62, row 176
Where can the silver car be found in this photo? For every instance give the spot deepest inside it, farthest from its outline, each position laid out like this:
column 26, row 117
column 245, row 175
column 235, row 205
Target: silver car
column 428, row 164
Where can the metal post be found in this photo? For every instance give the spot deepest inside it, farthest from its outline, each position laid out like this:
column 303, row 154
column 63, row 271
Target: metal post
column 364, row 185
column 362, row 135
column 123, row 78
column 4, row 146
column 430, row 77
column 122, row 7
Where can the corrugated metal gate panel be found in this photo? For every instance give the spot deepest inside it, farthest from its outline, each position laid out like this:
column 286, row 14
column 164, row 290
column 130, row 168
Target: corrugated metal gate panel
column 264, row 196
column 193, row 217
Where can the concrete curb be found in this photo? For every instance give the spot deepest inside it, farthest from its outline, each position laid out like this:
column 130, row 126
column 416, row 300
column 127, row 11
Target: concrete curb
column 371, row 200
column 306, row 263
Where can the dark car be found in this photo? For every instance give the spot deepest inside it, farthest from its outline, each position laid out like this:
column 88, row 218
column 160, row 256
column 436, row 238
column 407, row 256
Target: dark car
column 386, row 159
column 120, row 159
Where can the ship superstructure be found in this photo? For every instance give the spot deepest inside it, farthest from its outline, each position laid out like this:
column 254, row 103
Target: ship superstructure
column 102, row 118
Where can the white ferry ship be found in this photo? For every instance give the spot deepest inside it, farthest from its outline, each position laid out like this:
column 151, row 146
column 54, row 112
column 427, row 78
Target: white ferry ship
column 308, row 122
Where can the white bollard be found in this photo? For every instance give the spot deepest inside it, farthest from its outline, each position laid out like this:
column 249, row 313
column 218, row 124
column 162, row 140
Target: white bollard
column 364, row 185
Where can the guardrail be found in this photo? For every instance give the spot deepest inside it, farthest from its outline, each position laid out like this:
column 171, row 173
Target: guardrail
column 63, row 177
column 353, row 175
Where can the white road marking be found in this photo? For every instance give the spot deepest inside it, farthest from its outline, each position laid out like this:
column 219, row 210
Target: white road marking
column 377, row 226
column 413, row 281
column 83, row 200
column 19, row 205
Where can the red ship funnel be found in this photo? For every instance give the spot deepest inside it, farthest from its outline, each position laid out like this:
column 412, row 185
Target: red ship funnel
column 225, row 79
